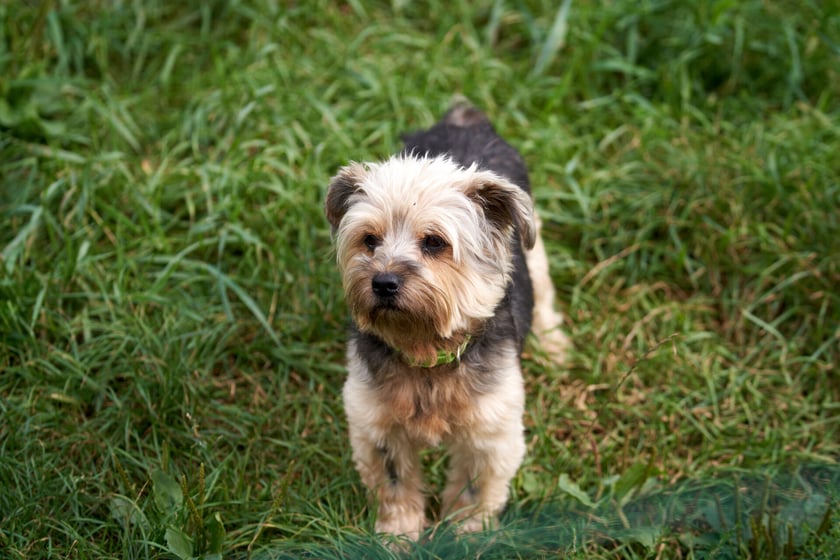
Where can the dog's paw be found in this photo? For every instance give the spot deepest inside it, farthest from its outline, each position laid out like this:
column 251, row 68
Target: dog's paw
column 409, row 526
column 554, row 345
column 476, row 523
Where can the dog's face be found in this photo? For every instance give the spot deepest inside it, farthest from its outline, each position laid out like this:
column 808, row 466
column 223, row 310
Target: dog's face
column 423, row 246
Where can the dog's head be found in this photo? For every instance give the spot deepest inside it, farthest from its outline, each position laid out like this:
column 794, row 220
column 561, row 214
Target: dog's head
column 424, row 247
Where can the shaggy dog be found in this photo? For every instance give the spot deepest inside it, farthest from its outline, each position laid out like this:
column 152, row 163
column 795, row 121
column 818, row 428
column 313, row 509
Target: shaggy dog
column 444, row 273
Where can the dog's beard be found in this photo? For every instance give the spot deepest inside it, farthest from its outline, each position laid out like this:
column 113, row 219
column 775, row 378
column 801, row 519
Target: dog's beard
column 417, row 322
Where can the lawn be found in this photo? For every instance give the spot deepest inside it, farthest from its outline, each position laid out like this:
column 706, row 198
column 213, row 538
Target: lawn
column 171, row 320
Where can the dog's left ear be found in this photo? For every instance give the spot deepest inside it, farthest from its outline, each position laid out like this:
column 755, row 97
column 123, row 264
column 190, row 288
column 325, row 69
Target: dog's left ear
column 504, row 204
column 342, row 187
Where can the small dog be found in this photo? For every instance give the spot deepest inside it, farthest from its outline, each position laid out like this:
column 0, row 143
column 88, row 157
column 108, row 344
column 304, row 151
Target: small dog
column 443, row 271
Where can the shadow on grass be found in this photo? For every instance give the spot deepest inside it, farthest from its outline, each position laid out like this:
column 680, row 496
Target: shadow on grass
column 757, row 514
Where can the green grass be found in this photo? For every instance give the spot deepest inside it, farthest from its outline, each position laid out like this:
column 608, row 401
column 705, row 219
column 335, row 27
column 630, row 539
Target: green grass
column 171, row 321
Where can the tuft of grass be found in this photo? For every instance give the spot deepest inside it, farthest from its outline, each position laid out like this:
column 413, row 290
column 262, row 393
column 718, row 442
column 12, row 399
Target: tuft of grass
column 171, row 321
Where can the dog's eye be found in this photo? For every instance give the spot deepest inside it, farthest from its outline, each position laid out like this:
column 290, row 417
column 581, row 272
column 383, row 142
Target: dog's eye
column 371, row 241
column 433, row 244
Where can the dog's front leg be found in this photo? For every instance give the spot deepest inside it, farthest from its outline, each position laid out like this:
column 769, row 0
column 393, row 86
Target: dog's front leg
column 393, row 475
column 388, row 463
column 485, row 457
column 479, row 477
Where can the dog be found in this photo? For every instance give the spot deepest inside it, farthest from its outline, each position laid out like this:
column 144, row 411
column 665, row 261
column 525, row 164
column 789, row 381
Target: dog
column 444, row 273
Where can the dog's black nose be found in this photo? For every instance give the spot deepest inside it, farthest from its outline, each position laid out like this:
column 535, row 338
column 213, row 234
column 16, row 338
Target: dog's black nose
column 386, row 284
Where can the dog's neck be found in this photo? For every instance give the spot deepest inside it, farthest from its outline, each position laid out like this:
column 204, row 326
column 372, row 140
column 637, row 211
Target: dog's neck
column 424, row 351
column 443, row 357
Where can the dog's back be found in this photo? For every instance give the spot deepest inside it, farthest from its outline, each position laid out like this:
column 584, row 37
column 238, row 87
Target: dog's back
column 465, row 134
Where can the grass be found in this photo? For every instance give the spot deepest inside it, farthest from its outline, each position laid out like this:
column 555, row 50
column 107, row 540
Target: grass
column 171, row 322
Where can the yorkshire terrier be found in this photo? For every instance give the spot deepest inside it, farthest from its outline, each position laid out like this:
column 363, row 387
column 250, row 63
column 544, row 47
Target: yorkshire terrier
column 444, row 273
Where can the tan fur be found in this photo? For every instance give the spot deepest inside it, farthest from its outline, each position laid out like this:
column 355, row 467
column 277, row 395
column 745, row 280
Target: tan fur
column 447, row 294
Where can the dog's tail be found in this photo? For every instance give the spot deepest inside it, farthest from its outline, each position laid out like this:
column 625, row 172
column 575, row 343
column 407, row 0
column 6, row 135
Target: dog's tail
column 462, row 113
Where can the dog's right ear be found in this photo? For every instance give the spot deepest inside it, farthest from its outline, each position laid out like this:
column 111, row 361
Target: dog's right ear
column 344, row 185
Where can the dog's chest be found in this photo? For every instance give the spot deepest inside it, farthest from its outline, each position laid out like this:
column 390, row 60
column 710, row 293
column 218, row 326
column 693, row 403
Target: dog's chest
column 430, row 404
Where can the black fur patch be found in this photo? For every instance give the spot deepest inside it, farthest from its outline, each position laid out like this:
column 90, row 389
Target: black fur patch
column 474, row 141
column 390, row 467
